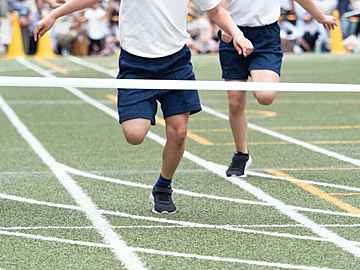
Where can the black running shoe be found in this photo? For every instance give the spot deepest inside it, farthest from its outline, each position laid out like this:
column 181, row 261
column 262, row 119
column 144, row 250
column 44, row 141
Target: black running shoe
column 239, row 165
column 163, row 203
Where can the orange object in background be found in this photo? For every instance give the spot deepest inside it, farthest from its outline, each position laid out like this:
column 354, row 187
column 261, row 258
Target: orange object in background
column 45, row 48
column 16, row 46
column 336, row 37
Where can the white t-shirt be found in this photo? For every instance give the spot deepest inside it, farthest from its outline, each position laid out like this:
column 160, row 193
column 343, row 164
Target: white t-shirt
column 96, row 25
column 254, row 12
column 156, row 28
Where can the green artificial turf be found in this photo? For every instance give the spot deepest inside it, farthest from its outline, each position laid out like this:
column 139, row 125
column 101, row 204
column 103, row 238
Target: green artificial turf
column 83, row 137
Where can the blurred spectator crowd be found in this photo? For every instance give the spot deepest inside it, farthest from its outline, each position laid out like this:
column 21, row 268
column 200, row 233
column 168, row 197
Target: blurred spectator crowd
column 301, row 33
column 95, row 31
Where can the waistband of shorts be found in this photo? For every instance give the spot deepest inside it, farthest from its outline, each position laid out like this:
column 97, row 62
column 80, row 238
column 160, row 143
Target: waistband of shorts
column 179, row 53
column 274, row 24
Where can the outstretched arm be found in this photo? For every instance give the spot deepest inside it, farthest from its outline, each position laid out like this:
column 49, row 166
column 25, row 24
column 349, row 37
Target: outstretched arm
column 69, row 7
column 329, row 22
column 55, row 3
column 222, row 18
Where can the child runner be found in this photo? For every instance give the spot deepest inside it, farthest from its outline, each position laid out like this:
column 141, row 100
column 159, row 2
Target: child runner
column 153, row 38
column 258, row 20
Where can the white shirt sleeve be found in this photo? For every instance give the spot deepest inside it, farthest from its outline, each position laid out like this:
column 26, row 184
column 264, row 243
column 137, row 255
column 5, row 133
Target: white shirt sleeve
column 205, row 5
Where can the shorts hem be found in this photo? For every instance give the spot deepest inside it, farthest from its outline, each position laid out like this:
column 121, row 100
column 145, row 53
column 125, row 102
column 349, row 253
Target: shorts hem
column 268, row 69
column 234, row 78
column 192, row 110
column 123, row 119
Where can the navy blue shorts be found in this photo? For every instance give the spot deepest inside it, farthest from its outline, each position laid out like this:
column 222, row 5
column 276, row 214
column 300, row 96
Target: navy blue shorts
column 267, row 53
column 140, row 103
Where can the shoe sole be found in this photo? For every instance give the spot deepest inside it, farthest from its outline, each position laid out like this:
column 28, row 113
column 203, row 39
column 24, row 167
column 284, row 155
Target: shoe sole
column 248, row 164
column 163, row 212
column 151, row 198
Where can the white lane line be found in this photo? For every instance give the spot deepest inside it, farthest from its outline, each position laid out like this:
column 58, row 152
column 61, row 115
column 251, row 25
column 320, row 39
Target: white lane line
column 114, row 172
column 296, row 225
column 93, row 177
column 315, row 183
column 165, row 253
column 278, row 135
column 266, row 226
column 24, row 173
column 54, row 239
column 283, row 208
column 37, row 228
column 37, row 202
column 231, row 260
column 289, row 139
column 144, row 186
column 159, row 220
column 119, row 247
column 318, row 102
column 219, row 170
column 93, row 66
column 51, row 102
column 233, row 228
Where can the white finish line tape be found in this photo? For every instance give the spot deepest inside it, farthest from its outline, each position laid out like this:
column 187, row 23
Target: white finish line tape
column 174, row 85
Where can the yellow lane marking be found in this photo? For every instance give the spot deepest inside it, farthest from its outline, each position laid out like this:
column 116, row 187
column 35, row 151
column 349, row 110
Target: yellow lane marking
column 191, row 135
column 283, row 143
column 287, row 100
column 220, row 130
column 318, row 193
column 197, row 138
column 258, row 143
column 112, row 98
column 346, row 194
column 251, row 114
column 336, row 142
column 340, row 127
column 316, row 169
column 260, row 114
column 53, row 66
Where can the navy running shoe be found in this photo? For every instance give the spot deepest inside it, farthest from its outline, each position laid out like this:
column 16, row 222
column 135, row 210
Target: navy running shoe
column 239, row 165
column 162, row 200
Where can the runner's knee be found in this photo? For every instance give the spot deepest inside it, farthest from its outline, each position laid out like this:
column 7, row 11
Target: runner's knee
column 237, row 103
column 177, row 134
column 265, row 98
column 134, row 138
column 134, row 135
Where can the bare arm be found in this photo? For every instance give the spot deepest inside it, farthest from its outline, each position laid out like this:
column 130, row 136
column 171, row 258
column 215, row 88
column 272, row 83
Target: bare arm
column 221, row 17
column 55, row 3
column 69, row 7
column 329, row 22
column 72, row 6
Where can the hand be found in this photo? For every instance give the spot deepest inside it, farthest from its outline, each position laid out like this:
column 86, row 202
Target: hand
column 329, row 22
column 55, row 3
column 43, row 26
column 243, row 45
